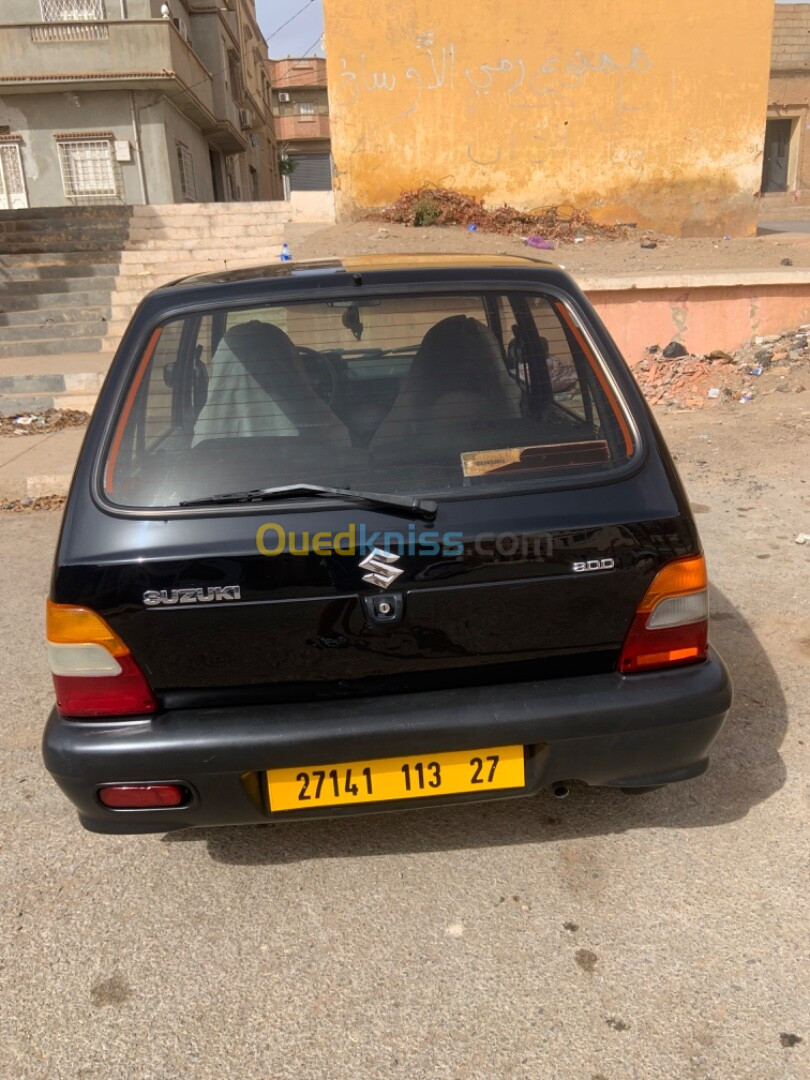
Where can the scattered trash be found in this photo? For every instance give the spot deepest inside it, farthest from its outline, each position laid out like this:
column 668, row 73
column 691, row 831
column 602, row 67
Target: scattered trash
column 285, row 254
column 472, row 227
column 579, row 239
column 786, row 262
column 674, row 350
column 803, row 538
column 382, row 234
column 42, row 423
column 444, row 206
column 726, row 237
column 649, row 244
column 42, row 502
column 539, row 242
column 722, row 377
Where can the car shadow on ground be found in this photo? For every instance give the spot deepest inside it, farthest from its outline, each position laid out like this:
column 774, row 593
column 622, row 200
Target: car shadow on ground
column 746, row 768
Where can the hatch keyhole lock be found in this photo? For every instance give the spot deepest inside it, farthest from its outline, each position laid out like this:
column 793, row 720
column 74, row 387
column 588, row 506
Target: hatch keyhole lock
column 384, row 610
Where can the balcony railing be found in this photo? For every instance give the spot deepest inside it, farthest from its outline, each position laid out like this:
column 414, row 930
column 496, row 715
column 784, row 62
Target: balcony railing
column 59, row 32
column 293, row 110
column 150, row 51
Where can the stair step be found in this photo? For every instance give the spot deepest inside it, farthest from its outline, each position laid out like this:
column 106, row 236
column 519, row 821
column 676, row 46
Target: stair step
column 37, row 301
column 49, row 348
column 54, row 315
column 82, row 382
column 222, row 240
column 56, row 285
column 55, row 332
column 45, row 273
column 56, row 258
column 92, row 213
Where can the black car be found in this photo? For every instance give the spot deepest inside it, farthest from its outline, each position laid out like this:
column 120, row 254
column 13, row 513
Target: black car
column 362, row 535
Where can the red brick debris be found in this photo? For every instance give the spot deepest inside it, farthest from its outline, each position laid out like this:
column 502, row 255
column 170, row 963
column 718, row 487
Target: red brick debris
column 444, row 206
column 763, row 365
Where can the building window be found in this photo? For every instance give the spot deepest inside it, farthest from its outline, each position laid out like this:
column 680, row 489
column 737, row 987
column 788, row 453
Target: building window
column 306, row 108
column 89, row 169
column 235, row 76
column 72, row 10
column 188, row 187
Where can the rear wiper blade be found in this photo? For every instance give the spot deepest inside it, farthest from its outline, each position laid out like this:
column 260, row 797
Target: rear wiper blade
column 403, row 504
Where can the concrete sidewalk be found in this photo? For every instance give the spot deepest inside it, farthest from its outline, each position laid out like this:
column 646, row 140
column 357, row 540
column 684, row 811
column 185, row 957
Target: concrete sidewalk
column 34, row 465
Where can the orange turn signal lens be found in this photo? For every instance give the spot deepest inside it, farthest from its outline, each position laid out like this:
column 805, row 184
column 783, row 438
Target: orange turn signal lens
column 69, row 625
column 675, row 579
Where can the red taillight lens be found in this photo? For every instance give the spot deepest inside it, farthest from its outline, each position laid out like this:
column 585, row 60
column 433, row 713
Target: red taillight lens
column 142, row 796
column 671, row 624
column 94, row 673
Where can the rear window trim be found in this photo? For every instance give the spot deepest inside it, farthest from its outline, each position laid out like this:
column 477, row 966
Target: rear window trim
column 266, row 297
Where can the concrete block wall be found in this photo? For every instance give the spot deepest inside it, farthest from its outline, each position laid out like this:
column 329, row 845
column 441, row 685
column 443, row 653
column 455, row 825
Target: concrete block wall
column 790, row 49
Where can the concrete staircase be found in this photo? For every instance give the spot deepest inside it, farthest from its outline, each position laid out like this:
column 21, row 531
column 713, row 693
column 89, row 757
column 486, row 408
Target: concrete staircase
column 57, row 271
column 70, row 279
column 170, row 242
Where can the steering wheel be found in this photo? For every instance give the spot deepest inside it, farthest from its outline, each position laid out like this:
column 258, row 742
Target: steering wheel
column 326, row 377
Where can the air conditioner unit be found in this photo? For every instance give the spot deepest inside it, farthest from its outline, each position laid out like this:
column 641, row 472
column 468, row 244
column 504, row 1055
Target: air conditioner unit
column 246, row 118
column 283, row 98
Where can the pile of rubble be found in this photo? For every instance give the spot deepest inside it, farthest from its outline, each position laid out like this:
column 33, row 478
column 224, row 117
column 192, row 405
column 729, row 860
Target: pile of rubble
column 443, row 206
column 42, row 502
column 42, row 423
column 776, row 362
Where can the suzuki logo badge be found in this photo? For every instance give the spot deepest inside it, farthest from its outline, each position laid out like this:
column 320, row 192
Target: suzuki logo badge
column 383, row 572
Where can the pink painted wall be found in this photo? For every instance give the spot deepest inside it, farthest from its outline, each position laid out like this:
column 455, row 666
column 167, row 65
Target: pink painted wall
column 701, row 319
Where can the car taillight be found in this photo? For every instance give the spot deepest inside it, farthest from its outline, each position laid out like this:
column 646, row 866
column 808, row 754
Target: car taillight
column 671, row 624
column 93, row 671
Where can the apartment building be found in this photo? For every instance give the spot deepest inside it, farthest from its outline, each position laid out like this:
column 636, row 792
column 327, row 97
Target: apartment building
column 133, row 102
column 301, row 111
column 786, row 158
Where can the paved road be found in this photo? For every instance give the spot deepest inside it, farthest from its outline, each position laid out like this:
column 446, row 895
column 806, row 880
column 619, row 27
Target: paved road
column 599, row 938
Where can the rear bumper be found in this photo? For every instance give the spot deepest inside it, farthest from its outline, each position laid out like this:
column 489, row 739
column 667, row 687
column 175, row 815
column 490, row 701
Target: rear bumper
column 613, row 730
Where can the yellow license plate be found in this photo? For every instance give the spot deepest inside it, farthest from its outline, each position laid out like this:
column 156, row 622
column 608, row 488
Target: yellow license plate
column 386, row 779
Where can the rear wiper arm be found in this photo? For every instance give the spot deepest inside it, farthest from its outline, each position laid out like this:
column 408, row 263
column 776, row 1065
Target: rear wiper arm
column 403, row 504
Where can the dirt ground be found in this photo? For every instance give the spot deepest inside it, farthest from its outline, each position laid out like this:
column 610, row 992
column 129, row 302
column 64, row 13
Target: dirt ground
column 597, row 257
column 662, row 936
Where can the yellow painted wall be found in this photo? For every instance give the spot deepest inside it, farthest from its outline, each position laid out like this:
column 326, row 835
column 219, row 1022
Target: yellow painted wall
column 650, row 111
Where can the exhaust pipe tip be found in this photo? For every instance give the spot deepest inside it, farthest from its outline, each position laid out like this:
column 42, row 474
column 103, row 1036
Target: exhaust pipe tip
column 560, row 791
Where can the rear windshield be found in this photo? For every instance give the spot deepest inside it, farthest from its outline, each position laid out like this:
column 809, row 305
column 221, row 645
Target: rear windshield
column 389, row 394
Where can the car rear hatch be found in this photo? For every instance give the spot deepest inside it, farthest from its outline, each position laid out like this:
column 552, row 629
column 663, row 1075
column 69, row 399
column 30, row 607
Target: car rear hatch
column 553, row 513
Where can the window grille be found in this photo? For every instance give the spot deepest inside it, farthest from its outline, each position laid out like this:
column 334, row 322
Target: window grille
column 188, row 186
column 89, row 170
column 72, row 10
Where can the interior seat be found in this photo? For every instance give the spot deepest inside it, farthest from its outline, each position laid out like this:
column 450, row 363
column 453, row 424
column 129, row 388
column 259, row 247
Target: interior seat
column 457, row 377
column 258, row 387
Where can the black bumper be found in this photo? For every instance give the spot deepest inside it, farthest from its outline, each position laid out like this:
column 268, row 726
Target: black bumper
column 613, row 730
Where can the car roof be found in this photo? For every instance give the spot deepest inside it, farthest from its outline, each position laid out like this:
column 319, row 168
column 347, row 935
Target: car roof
column 359, row 264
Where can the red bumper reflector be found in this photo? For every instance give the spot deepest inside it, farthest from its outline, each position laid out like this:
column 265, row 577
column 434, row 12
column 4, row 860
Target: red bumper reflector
column 142, row 796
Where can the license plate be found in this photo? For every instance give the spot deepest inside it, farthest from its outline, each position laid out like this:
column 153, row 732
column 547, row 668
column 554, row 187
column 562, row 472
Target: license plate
column 387, row 779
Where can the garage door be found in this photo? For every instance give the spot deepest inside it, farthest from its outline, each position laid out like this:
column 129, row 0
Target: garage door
column 313, row 172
